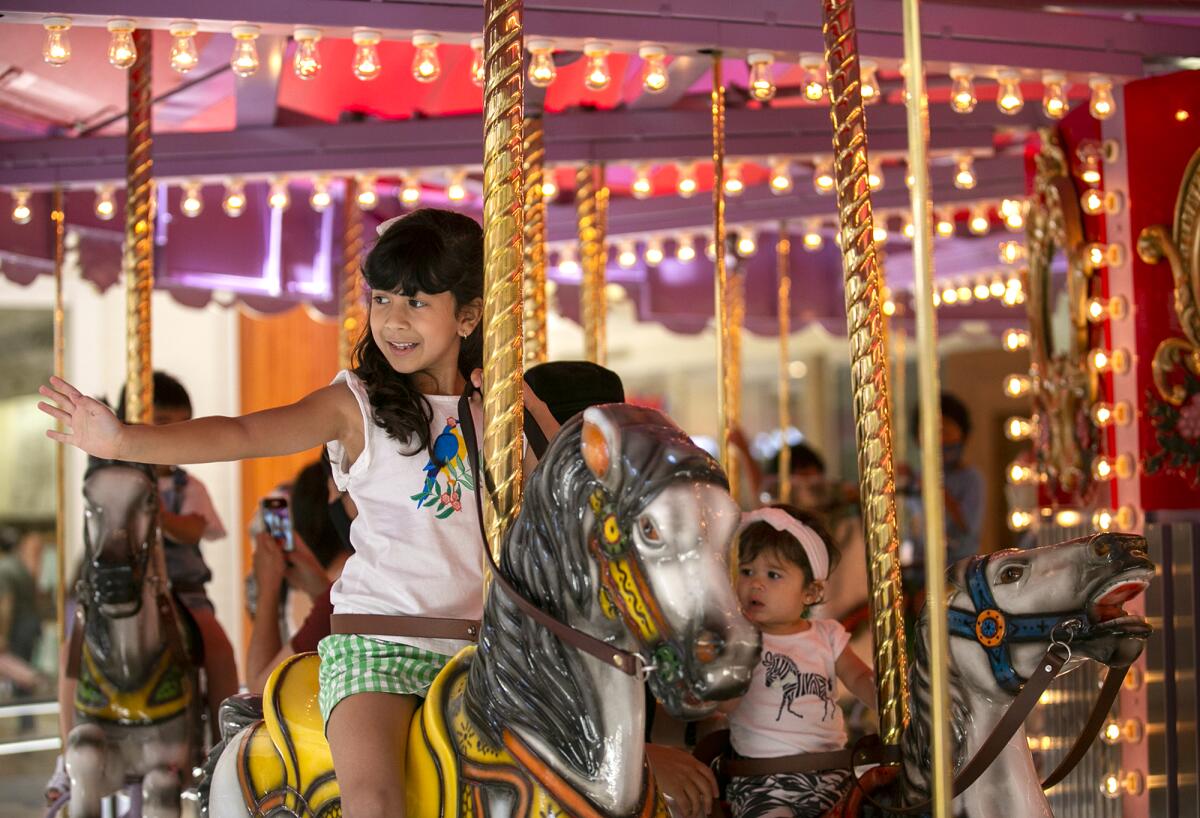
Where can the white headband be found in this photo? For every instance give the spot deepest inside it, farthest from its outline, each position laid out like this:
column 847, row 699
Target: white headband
column 810, row 541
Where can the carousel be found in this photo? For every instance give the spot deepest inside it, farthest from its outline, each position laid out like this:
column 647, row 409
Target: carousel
column 717, row 203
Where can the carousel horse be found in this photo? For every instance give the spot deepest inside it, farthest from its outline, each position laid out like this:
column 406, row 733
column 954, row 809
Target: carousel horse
column 622, row 537
column 137, row 703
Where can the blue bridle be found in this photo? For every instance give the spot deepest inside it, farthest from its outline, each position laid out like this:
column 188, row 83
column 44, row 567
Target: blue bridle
column 995, row 630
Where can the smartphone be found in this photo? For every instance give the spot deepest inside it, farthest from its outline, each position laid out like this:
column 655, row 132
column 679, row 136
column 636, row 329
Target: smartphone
column 278, row 521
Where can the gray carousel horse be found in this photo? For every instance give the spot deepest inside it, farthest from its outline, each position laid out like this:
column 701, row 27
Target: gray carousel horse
column 621, row 538
column 137, row 701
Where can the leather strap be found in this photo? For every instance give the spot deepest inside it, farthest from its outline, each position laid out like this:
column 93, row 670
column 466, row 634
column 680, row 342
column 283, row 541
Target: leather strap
column 1109, row 692
column 424, row 626
column 74, row 644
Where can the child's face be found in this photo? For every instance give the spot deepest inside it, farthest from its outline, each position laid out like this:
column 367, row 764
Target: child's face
column 774, row 593
column 421, row 334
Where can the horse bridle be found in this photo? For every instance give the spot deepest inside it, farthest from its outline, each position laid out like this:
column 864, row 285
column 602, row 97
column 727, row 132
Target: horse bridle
column 107, row 579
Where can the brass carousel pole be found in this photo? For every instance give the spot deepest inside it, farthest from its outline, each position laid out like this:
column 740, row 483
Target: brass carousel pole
column 591, row 260
column 503, row 195
column 352, row 311
column 783, row 252
column 58, row 215
column 535, row 244
column 599, row 289
column 721, row 277
column 869, row 373
column 139, row 238
column 927, row 376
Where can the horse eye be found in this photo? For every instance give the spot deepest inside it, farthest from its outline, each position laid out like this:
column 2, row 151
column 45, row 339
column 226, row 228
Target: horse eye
column 649, row 530
column 1011, row 573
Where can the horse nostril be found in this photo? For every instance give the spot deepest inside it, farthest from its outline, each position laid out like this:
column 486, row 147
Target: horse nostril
column 708, row 647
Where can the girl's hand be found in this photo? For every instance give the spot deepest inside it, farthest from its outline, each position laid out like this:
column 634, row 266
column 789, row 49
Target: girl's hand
column 90, row 425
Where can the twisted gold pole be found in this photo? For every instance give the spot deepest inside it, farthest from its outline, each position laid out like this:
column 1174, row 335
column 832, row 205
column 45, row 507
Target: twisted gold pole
column 535, row 244
column 503, row 194
column 721, row 277
column 352, row 311
column 591, row 249
column 58, row 216
column 783, row 253
column 599, row 289
column 736, row 304
column 139, row 238
column 869, row 373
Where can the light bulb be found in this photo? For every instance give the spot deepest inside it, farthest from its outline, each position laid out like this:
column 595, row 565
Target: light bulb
column 1016, row 386
column 320, row 199
column 244, row 60
column 781, row 178
column 1122, row 519
column 105, row 206
column 1011, row 252
column 367, row 65
column 869, row 82
column 964, row 294
column 425, row 65
column 192, row 203
column 56, row 48
column 1014, row 339
column 686, row 185
column 549, row 187
column 823, row 180
column 654, row 70
column 981, row 291
column 813, row 240
column 598, row 75
column 1103, row 104
column 962, row 89
column 685, row 248
column 1106, row 414
column 996, row 288
column 747, row 244
column 945, row 225
column 1009, row 100
column 1020, row 520
column 279, row 197
column 889, row 307
column 937, row 299
column 1103, row 360
column 626, row 255
column 1092, row 202
column 1014, row 217
column 761, row 84
column 541, row 63
column 121, row 51
column 1054, row 95
column 567, row 264
column 21, row 211
column 410, row 193
column 1112, row 468
column 184, row 56
column 979, row 223
column 307, row 61
column 654, row 252
column 1018, row 473
column 478, row 70
column 1016, row 428
column 456, row 191
column 368, row 192
column 1068, row 517
column 907, row 227
column 950, row 295
column 814, row 77
column 710, row 249
column 234, row 202
column 642, row 187
column 734, row 186
column 875, row 175
column 964, row 172
column 880, row 233
column 1101, row 309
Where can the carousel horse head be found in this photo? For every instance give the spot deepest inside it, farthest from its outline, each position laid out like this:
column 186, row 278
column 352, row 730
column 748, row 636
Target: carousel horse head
column 120, row 528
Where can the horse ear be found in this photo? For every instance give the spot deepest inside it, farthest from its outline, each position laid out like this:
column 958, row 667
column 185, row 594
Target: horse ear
column 601, row 446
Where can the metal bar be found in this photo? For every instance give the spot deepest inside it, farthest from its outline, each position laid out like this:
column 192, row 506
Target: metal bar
column 503, row 195
column 869, row 371
column 941, row 783
column 30, row 745
column 783, row 251
column 186, row 85
column 721, row 278
column 535, row 244
column 592, row 261
column 352, row 312
column 15, row 711
column 58, row 215
column 139, row 238
column 1170, row 693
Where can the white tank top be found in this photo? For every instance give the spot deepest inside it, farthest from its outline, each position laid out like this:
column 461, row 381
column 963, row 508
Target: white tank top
column 418, row 549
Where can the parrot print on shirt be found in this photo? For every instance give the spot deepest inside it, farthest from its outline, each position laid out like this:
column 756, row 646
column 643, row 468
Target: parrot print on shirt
column 447, row 474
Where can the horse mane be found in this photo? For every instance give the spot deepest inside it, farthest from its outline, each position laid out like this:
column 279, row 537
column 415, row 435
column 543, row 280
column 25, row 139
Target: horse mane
column 522, row 675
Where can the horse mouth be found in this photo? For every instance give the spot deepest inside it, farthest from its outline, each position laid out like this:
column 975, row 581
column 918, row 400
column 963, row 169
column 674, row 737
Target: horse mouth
column 1107, row 606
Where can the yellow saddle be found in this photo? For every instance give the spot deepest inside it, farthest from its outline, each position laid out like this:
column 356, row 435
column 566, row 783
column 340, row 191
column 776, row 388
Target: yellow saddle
column 284, row 763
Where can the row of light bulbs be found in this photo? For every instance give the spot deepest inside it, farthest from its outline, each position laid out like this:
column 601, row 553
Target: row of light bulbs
column 1010, row 100
column 1123, row 518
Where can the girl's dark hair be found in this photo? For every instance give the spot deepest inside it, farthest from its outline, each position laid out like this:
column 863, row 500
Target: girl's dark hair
column 760, row 536
column 310, row 513
column 431, row 251
column 168, row 394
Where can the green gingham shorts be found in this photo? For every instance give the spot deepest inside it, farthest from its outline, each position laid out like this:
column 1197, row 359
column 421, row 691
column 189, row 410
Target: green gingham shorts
column 353, row 664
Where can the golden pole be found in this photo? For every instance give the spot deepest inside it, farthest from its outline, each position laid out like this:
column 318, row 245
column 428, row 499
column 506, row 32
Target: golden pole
column 352, row 311
column 599, row 288
column 927, row 377
column 503, row 194
column 721, row 277
column 736, row 303
column 869, row 371
column 58, row 215
column 783, row 251
column 535, row 244
column 139, row 238
column 591, row 247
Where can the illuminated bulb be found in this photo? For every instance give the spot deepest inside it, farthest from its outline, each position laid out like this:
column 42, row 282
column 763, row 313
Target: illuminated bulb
column 410, row 193
column 1122, row 519
column 1012, row 296
column 950, row 295
column 964, row 172
column 875, row 175
column 541, row 63
column 814, row 77
column 654, row 69
column 1101, row 309
column 1009, row 99
column 654, row 252
column 549, row 188
column 456, row 191
column 1016, row 386
column 1020, row 520
column 1019, row 474
column 306, row 63
column 1014, row 339
column 56, row 48
column 368, row 193
column 734, row 186
column 686, row 186
column 1011, row 252
column 478, row 75
column 1103, row 104
column 937, row 299
column 121, row 51
column 184, row 56
column 982, row 293
column 1094, row 255
column 710, row 249
column 598, row 75
column 234, row 202
column 1107, row 414
column 762, row 86
column 813, row 240
column 1016, row 428
column 944, row 226
column 869, row 82
column 1013, row 213
column 747, row 244
column 996, row 288
column 1109, row 468
column 909, row 178
column 1092, row 202
column 1103, row 360
column 781, row 178
column 244, row 60
column 191, row 204
column 279, row 197
column 615, row 293
column 426, row 67
column 1054, row 95
column 962, row 89
column 979, row 222
column 21, row 212
column 880, row 234
column 320, row 199
column 105, row 206
column 642, row 187
column 823, row 180
column 889, row 307
column 907, row 228
column 1115, row 731
column 964, row 294
column 626, row 255
column 685, row 250
column 567, row 265
column 366, row 53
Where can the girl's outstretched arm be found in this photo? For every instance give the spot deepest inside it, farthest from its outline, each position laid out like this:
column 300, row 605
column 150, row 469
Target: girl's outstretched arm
column 330, row 413
column 858, row 678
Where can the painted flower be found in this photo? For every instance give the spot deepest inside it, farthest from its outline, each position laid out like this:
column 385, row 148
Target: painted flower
column 445, row 498
column 1189, row 419
column 457, row 503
